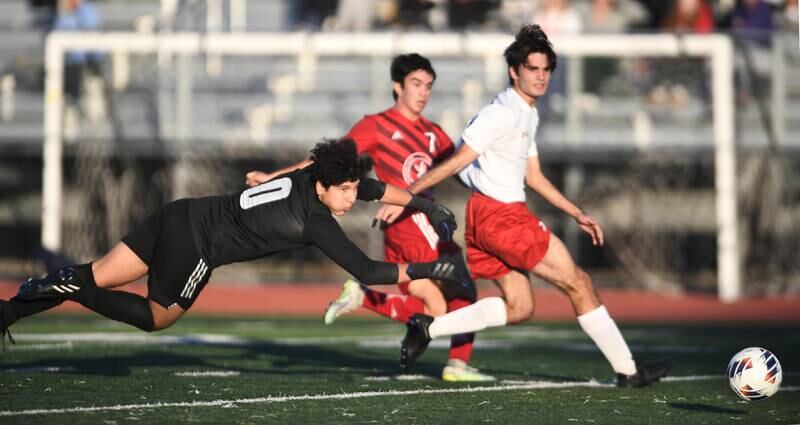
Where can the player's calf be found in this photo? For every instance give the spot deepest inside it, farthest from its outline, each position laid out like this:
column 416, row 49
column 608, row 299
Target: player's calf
column 581, row 292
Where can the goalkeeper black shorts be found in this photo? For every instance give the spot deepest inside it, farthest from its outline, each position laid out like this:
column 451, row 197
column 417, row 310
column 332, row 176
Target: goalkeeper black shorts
column 164, row 242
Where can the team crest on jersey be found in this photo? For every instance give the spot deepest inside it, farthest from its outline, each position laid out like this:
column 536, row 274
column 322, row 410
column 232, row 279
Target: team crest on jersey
column 397, row 135
column 415, row 166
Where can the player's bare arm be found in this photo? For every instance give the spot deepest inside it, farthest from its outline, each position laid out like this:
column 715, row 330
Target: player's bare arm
column 460, row 159
column 255, row 178
column 537, row 181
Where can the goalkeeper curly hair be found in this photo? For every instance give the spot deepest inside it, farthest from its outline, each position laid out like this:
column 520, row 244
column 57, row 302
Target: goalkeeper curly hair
column 336, row 161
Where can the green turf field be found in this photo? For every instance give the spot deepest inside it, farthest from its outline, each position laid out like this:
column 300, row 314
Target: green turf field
column 85, row 369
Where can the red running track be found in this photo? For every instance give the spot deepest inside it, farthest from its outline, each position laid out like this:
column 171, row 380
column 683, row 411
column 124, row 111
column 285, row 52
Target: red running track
column 628, row 306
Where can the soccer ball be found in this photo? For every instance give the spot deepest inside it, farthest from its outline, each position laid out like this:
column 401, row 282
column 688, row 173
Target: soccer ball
column 754, row 374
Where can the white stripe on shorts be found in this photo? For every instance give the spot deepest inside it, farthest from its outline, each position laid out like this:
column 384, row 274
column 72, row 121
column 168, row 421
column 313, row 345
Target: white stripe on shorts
column 196, row 276
column 421, row 220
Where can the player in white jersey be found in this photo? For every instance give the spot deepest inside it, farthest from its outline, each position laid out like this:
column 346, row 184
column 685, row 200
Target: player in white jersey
column 497, row 157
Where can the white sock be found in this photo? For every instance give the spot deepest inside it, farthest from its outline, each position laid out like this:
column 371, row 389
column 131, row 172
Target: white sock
column 486, row 313
column 605, row 334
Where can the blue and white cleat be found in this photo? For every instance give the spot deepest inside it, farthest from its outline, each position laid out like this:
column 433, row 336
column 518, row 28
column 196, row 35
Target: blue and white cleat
column 61, row 285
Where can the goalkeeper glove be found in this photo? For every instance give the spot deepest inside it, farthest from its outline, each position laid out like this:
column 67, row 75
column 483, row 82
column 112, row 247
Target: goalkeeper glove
column 439, row 270
column 442, row 219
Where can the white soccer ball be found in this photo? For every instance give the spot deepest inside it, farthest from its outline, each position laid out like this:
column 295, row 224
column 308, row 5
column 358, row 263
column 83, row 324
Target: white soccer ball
column 754, row 374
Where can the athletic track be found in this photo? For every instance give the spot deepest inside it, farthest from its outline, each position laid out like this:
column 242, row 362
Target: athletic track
column 629, row 306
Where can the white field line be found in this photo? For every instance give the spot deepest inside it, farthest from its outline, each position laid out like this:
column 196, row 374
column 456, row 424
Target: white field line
column 375, row 341
column 43, row 347
column 580, row 347
column 35, row 369
column 207, row 373
column 532, row 385
column 693, row 378
column 506, row 386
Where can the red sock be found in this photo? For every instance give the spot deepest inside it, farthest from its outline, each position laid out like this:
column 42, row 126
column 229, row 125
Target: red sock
column 461, row 344
column 395, row 307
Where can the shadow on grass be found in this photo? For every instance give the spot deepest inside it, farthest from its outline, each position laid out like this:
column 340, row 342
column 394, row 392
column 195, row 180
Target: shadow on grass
column 705, row 408
column 435, row 369
column 278, row 359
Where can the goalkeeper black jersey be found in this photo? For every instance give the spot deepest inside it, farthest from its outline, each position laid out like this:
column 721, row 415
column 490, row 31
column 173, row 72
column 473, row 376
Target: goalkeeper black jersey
column 281, row 214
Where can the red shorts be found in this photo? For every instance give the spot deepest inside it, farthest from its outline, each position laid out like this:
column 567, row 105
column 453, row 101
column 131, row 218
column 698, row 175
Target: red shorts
column 501, row 237
column 413, row 239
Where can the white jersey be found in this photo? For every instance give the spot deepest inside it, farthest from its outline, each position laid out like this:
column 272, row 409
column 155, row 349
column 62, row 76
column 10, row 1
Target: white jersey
column 503, row 133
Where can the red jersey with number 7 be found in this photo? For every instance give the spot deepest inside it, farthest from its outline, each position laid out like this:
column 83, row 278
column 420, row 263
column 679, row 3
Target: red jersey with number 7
column 402, row 151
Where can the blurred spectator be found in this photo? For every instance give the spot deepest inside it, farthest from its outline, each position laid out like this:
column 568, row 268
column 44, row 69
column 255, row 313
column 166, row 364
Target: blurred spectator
column 789, row 18
column 413, row 14
column 693, row 16
column 354, row 15
column 44, row 13
column 752, row 23
column 676, row 79
column 753, row 20
column 657, row 11
column 609, row 17
column 310, row 15
column 78, row 15
column 517, row 13
column 386, row 13
column 462, row 14
column 556, row 17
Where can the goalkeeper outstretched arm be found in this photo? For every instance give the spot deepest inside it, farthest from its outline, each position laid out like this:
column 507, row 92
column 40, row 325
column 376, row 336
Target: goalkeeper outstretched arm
column 325, row 232
column 442, row 219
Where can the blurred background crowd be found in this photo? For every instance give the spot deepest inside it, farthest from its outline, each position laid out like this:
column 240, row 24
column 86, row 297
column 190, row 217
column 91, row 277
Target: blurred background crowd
column 630, row 138
column 556, row 16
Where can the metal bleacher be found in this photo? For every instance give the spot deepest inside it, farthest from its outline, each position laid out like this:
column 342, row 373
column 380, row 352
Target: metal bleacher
column 224, row 104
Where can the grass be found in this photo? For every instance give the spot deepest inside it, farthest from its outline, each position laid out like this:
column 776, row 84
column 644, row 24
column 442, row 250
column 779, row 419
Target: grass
column 79, row 369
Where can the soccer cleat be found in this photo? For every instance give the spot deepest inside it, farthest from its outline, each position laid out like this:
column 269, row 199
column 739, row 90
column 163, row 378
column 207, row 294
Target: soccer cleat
column 459, row 371
column 351, row 298
column 62, row 285
column 645, row 375
column 4, row 325
column 416, row 340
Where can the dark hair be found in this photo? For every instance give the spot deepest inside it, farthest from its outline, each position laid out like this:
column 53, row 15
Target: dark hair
column 337, row 161
column 402, row 65
column 529, row 39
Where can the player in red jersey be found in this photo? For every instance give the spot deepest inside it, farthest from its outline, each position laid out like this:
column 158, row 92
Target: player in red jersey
column 404, row 145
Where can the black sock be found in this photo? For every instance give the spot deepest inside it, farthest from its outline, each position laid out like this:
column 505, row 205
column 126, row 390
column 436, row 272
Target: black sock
column 122, row 306
column 118, row 305
column 18, row 309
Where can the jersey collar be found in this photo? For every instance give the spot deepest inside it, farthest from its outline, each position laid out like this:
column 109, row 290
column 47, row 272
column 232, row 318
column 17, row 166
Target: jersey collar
column 518, row 100
column 397, row 115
